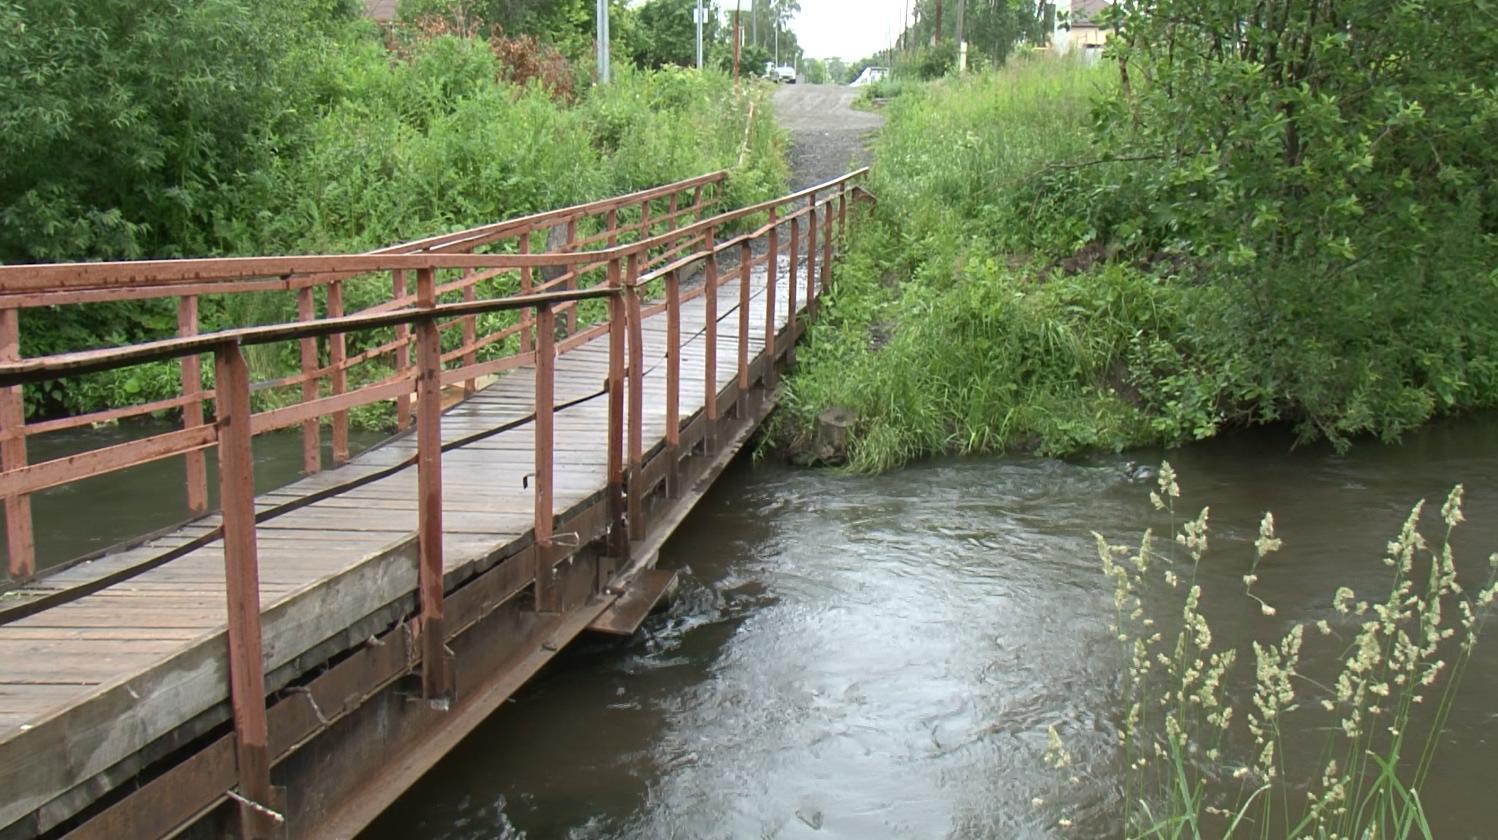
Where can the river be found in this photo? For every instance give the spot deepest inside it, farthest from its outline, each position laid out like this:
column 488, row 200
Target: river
column 862, row 657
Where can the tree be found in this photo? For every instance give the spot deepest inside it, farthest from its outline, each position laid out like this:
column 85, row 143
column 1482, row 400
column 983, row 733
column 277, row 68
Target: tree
column 128, row 126
column 668, row 35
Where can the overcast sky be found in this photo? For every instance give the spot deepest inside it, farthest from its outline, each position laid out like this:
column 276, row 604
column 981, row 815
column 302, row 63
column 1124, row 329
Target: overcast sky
column 847, row 29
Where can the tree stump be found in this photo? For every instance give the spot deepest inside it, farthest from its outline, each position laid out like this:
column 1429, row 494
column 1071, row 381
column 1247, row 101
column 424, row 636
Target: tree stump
column 831, row 443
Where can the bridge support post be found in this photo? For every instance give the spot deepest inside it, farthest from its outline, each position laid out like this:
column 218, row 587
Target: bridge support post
column 673, row 384
column 402, row 351
column 20, row 539
column 811, row 258
column 710, row 363
column 619, row 535
column 436, row 667
column 772, row 268
column 746, row 274
column 842, row 216
column 306, row 308
column 257, row 817
column 636, row 402
column 548, row 592
column 826, row 245
column 192, row 412
column 793, row 313
column 338, row 361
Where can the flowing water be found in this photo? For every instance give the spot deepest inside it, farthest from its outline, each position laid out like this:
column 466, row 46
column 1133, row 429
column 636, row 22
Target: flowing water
column 862, row 657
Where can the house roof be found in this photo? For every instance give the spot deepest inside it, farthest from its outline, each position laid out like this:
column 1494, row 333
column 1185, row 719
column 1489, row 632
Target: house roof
column 1085, row 12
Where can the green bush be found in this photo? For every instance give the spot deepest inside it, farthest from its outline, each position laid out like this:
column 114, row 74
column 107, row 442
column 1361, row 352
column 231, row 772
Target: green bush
column 374, row 142
column 1046, row 271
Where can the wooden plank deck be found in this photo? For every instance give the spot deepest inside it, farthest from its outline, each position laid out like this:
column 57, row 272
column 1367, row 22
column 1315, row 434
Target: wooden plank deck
column 87, row 685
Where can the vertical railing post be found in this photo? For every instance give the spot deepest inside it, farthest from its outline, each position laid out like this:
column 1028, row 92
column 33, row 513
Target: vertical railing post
column 470, row 332
column 527, row 321
column 619, row 535
column 20, row 539
column 699, row 197
column 242, row 588
column 613, row 222
column 772, row 268
column 548, row 592
column 570, row 247
column 338, row 361
column 842, row 216
column 306, row 310
column 636, row 402
column 192, row 412
column 402, row 352
column 673, row 384
column 436, row 676
column 710, row 348
column 811, row 258
column 793, row 314
column 746, row 274
column 644, row 219
column 672, row 208
column 827, row 245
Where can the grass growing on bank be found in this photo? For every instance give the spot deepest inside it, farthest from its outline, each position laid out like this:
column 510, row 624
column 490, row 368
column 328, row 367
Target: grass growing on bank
column 1198, row 764
column 1023, row 287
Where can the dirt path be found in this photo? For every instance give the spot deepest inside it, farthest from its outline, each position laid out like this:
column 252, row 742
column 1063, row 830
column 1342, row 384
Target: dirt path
column 828, row 137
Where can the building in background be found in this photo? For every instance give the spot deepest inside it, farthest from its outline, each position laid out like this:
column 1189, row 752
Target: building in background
column 1078, row 27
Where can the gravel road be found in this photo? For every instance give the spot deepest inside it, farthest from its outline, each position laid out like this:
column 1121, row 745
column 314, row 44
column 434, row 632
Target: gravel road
column 828, row 137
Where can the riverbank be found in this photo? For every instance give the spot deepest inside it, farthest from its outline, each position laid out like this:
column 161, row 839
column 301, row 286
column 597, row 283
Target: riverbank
column 1015, row 292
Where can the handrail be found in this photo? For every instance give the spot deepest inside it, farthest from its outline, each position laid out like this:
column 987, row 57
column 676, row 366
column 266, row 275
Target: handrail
column 44, row 368
column 567, row 213
column 96, row 275
column 419, row 318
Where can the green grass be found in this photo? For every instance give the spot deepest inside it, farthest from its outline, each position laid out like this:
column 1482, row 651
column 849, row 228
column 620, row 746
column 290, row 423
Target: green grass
column 1005, row 297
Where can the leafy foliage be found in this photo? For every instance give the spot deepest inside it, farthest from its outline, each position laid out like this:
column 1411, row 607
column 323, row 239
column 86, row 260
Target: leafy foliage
column 381, row 137
column 1058, row 262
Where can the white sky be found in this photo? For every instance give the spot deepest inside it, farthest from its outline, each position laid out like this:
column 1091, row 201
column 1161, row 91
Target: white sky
column 847, row 29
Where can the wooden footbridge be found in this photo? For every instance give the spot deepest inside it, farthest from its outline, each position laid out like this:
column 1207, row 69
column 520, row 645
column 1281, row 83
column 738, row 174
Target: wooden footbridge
column 566, row 385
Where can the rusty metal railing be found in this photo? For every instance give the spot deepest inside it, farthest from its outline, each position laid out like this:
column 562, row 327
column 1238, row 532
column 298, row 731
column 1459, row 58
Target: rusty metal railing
column 637, row 280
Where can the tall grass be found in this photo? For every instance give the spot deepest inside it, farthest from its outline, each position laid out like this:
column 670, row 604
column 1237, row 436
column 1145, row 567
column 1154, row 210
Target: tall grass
column 1000, row 300
column 1195, row 764
column 934, row 336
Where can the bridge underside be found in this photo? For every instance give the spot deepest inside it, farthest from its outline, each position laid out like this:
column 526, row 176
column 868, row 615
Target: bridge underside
column 122, row 728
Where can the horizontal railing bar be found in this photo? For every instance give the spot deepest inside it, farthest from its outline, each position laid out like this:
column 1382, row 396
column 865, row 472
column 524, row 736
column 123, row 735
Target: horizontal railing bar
column 64, row 423
column 55, row 277
column 44, row 368
column 36, row 477
column 280, row 418
column 108, row 275
column 553, row 216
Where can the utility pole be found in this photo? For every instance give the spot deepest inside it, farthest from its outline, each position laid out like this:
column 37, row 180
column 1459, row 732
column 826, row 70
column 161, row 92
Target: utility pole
column 961, row 36
column 603, row 41
column 754, row 18
column 936, row 36
column 738, row 37
column 700, row 16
